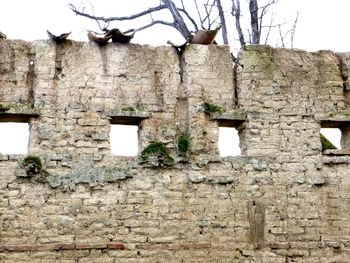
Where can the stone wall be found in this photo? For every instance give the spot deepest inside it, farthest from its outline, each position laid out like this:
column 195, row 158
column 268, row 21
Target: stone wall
column 282, row 200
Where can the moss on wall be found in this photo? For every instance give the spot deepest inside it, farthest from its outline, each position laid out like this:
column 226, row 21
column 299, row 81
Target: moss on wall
column 326, row 144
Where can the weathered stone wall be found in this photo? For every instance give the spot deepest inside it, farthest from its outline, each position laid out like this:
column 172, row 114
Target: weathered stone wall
column 282, row 200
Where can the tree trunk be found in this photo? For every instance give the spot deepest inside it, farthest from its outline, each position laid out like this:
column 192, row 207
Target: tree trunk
column 223, row 22
column 254, row 21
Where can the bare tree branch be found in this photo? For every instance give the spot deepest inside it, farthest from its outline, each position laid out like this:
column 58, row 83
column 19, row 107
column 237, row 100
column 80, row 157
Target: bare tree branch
column 183, row 5
column 206, row 10
column 93, row 13
column 292, row 33
column 223, row 22
column 183, row 10
column 179, row 23
column 214, row 21
column 236, row 12
column 269, row 27
column 199, row 14
column 154, row 22
column 282, row 37
column 121, row 18
column 249, row 37
column 263, row 13
column 208, row 13
column 255, row 30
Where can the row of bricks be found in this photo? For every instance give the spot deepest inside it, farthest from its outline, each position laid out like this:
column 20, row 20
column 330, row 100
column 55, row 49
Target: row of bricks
column 301, row 245
column 111, row 246
column 73, row 246
column 60, row 246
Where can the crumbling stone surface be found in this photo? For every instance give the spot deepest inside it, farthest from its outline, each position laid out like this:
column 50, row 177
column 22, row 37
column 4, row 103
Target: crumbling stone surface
column 282, row 200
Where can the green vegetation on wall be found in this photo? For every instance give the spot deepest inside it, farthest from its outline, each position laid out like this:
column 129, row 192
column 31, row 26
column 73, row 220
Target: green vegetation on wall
column 326, row 144
column 33, row 159
column 211, row 108
column 128, row 109
column 4, row 108
column 32, row 165
column 182, row 144
column 157, row 149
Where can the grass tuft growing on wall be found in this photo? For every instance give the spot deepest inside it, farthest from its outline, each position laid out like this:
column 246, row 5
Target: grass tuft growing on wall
column 211, row 108
column 156, row 148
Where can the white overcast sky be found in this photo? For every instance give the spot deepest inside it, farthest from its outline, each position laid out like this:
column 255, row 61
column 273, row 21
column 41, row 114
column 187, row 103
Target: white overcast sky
column 322, row 24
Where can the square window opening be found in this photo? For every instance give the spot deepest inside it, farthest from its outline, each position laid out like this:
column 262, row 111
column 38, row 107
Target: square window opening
column 14, row 138
column 331, row 138
column 228, row 142
column 124, row 139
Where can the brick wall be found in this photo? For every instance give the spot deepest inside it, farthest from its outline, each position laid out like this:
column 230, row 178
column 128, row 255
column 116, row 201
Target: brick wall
column 282, row 200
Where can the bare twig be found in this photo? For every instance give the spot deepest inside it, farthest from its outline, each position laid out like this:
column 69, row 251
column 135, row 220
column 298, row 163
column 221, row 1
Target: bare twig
column 93, row 13
column 214, row 21
column 208, row 13
column 269, row 27
column 183, row 5
column 263, row 12
column 154, row 22
column 249, row 37
column 282, row 37
column 183, row 10
column 207, row 16
column 292, row 33
column 199, row 14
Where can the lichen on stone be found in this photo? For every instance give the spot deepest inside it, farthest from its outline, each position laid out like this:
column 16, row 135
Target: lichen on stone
column 92, row 176
column 225, row 180
column 259, row 164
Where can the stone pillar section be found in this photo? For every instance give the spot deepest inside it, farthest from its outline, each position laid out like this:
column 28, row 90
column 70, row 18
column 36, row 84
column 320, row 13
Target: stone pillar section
column 207, row 75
